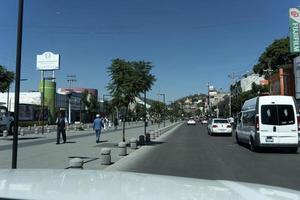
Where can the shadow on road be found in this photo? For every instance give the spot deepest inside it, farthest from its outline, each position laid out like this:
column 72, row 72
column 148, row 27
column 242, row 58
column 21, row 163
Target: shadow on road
column 22, row 138
column 269, row 150
column 153, row 143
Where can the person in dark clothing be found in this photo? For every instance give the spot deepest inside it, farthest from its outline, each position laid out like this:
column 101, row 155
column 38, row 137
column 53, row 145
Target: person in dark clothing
column 61, row 128
column 116, row 123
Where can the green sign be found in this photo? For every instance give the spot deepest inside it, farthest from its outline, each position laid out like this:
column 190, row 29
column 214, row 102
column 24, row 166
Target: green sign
column 294, row 21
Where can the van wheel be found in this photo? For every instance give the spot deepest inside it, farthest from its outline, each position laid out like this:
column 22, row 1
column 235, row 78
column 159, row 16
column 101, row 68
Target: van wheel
column 253, row 146
column 293, row 149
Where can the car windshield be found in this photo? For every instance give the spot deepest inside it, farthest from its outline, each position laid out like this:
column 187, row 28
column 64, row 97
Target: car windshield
column 158, row 87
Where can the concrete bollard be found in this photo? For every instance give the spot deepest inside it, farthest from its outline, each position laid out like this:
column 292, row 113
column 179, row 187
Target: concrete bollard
column 133, row 144
column 5, row 133
column 141, row 140
column 34, row 125
column 36, row 131
column 105, row 156
column 157, row 133
column 76, row 163
column 48, row 130
column 29, row 128
column 122, row 149
column 148, row 137
column 22, row 132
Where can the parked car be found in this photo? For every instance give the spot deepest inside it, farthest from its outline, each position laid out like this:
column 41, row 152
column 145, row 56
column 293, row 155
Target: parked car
column 204, row 121
column 269, row 121
column 191, row 121
column 219, row 126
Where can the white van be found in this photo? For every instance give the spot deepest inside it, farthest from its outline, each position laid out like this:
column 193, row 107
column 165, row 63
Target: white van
column 269, row 121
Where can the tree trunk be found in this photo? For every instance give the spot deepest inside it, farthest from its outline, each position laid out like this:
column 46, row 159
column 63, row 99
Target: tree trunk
column 124, row 121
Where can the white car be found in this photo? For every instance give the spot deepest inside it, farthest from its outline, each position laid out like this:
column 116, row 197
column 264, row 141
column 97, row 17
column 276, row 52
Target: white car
column 204, row 121
column 191, row 122
column 219, row 126
column 98, row 184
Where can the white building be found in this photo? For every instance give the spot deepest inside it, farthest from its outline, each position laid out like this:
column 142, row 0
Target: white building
column 25, row 98
column 246, row 83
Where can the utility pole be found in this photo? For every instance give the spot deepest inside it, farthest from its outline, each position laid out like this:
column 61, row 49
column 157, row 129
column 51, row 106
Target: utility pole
column 269, row 71
column 208, row 99
column 232, row 77
column 71, row 79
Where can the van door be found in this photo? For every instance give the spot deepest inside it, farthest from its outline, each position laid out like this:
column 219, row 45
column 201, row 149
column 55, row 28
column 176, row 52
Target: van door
column 278, row 124
column 287, row 125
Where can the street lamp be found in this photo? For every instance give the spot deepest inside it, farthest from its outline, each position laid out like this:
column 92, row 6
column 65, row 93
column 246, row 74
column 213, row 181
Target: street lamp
column 43, row 101
column 164, row 114
column 17, row 85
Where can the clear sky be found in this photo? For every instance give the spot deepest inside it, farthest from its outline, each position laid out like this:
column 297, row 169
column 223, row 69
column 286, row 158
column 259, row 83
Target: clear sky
column 190, row 42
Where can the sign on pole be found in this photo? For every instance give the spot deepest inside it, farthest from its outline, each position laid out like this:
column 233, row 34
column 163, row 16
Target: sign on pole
column 294, row 21
column 47, row 61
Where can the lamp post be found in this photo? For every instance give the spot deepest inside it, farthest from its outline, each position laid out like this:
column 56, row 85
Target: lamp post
column 164, row 113
column 145, row 114
column 17, row 85
column 43, row 101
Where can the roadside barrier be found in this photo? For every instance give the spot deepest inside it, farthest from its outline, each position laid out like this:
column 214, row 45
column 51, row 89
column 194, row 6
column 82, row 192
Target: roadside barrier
column 76, row 163
column 122, row 149
column 105, row 156
column 133, row 143
column 5, row 133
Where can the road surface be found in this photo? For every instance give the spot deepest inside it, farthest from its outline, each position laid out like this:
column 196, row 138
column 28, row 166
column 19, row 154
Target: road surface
column 191, row 152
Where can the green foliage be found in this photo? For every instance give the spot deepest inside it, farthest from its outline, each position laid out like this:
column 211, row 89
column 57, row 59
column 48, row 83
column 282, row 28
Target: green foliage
column 90, row 102
column 7, row 77
column 128, row 80
column 157, row 110
column 277, row 54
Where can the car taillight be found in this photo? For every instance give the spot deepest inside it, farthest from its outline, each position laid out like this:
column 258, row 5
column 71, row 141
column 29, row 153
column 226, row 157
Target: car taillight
column 215, row 126
column 228, row 126
column 298, row 119
column 257, row 122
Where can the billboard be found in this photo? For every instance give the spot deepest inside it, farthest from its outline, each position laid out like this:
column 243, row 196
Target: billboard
column 47, row 61
column 297, row 76
column 294, row 21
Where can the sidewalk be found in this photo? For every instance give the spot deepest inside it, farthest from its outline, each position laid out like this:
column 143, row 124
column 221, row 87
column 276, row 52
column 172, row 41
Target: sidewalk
column 40, row 151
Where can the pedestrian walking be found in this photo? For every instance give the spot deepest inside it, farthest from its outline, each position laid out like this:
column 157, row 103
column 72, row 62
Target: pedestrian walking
column 116, row 123
column 97, row 125
column 61, row 122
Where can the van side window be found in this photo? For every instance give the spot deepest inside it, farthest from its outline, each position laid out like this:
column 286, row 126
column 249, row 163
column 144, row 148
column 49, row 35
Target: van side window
column 277, row 114
column 249, row 118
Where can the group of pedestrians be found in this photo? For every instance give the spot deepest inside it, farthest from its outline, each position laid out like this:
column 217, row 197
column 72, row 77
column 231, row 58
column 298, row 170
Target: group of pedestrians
column 98, row 124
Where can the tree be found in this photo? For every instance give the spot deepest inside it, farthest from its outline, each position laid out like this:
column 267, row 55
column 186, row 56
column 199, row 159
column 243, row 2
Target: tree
column 157, row 109
column 128, row 80
column 277, row 54
column 90, row 102
column 7, row 77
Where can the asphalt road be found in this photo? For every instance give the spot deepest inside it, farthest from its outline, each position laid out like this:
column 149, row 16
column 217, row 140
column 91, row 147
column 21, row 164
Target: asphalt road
column 191, row 152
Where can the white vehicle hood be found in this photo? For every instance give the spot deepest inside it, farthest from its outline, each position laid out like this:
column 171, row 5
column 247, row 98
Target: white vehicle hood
column 92, row 184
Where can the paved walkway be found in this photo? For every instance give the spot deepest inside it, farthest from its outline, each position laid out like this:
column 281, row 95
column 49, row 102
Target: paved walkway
column 40, row 151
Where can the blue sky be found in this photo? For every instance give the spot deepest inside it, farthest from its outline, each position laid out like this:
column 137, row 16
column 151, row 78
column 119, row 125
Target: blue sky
column 190, row 42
